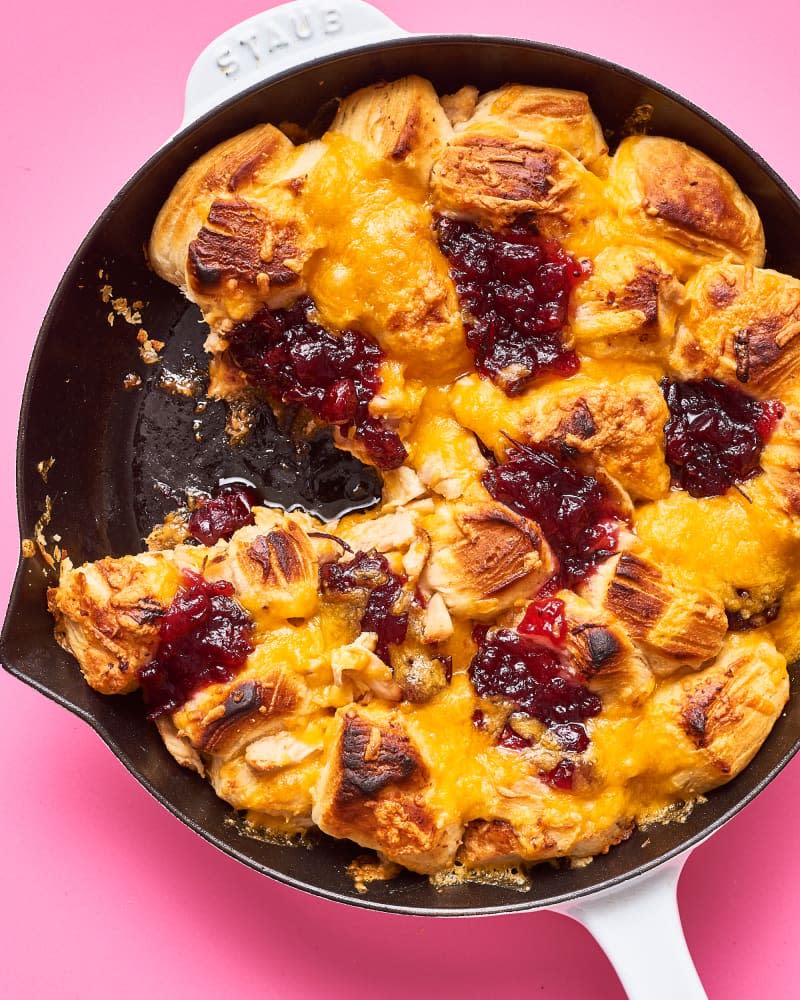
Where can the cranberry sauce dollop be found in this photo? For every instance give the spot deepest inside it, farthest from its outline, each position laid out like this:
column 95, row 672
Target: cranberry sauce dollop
column 221, row 515
column 204, row 638
column 514, row 290
column 369, row 573
column 561, row 776
column 297, row 361
column 533, row 677
column 715, row 435
column 546, row 620
column 578, row 517
column 530, row 670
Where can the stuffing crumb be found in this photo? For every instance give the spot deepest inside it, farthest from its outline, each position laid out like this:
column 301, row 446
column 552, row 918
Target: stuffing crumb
column 171, row 532
column 128, row 313
column 45, row 466
column 186, row 384
column 242, row 415
column 148, row 349
column 365, row 869
column 41, row 540
column 119, row 305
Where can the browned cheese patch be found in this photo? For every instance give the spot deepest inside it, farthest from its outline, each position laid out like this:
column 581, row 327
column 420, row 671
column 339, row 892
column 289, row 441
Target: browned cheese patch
column 705, row 706
column 373, row 758
column 277, row 556
column 242, row 245
column 246, row 708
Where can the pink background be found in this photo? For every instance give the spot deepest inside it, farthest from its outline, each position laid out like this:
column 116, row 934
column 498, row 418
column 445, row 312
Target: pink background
column 103, row 892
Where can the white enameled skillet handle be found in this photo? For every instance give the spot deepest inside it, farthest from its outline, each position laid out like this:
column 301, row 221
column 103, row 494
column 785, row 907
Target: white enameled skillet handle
column 638, row 926
column 276, row 40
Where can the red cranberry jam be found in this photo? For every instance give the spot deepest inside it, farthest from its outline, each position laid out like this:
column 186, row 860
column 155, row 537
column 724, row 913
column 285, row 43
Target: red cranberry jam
column 297, row 361
column 715, row 435
column 204, row 638
column 369, row 573
column 537, row 680
column 511, row 740
column 578, row 517
column 514, row 290
column 219, row 516
column 561, row 776
column 545, row 619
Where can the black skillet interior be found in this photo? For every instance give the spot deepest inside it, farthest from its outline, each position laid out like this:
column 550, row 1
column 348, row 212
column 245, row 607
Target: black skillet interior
column 122, row 458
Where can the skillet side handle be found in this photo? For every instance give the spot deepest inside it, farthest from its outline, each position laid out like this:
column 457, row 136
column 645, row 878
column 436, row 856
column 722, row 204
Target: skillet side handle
column 638, row 926
column 277, row 40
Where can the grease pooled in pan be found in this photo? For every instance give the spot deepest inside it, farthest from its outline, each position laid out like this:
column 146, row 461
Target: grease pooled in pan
column 180, row 445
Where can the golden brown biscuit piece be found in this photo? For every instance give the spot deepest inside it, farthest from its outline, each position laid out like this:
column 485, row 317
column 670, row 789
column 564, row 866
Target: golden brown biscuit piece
column 493, row 179
column 401, row 121
column 627, row 307
column 107, row 615
column 373, row 791
column 485, row 558
column 675, row 625
column 215, row 174
column 226, row 718
column 742, row 325
column 273, row 568
column 602, row 652
column 670, row 193
column 707, row 726
column 558, row 117
column 273, row 767
column 231, row 234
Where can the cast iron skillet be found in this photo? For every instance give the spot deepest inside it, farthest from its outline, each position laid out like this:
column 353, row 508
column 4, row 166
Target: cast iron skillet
column 123, row 458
